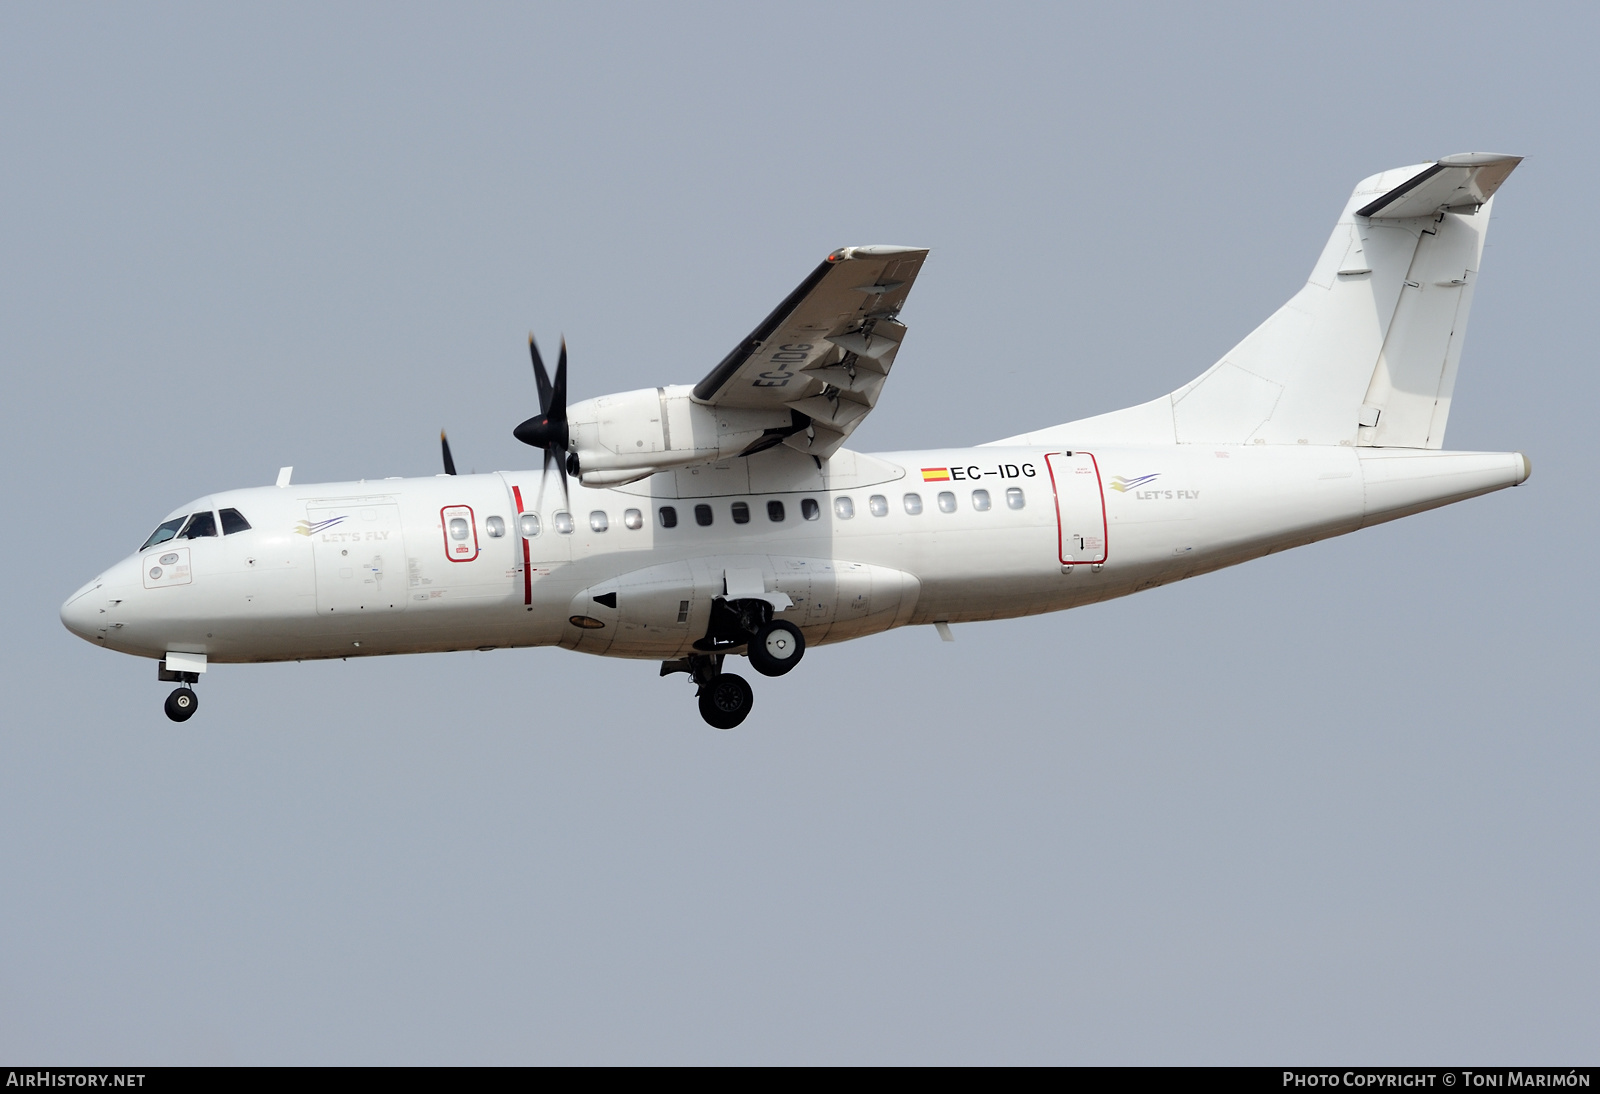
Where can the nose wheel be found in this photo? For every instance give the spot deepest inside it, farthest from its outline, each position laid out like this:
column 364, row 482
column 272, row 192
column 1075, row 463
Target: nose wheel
column 182, row 704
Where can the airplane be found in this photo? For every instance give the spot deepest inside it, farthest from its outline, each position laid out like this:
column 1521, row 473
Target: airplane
column 687, row 524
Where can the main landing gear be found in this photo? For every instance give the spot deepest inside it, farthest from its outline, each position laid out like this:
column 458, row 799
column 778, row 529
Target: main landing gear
column 725, row 698
column 774, row 646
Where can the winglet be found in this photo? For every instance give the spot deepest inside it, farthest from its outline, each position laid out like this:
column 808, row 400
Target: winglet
column 283, row 475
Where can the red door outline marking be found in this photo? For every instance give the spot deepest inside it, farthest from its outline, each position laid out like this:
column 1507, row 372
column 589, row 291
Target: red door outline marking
column 1061, row 532
column 444, row 528
column 527, row 574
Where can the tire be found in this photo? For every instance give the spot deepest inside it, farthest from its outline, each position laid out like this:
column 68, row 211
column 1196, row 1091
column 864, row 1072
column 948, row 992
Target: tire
column 776, row 648
column 726, row 701
column 182, row 704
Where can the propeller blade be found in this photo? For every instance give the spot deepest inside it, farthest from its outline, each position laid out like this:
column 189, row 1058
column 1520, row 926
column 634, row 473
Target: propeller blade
column 541, row 377
column 449, row 464
column 544, row 475
column 558, row 401
column 548, row 430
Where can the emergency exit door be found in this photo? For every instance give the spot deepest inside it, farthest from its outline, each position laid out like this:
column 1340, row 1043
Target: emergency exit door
column 1080, row 507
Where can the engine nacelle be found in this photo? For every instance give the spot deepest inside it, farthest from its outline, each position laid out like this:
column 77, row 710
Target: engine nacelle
column 633, row 434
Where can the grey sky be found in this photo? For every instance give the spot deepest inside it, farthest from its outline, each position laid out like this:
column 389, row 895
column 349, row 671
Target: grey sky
column 1335, row 805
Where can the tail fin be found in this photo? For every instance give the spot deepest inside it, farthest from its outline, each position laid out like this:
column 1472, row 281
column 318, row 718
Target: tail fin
column 1366, row 352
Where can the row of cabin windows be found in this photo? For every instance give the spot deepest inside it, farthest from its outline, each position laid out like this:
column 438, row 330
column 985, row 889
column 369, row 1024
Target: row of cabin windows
column 844, row 507
column 204, row 524
column 740, row 511
column 199, row 525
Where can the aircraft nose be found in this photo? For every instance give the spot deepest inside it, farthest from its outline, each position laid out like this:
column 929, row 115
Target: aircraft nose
column 80, row 612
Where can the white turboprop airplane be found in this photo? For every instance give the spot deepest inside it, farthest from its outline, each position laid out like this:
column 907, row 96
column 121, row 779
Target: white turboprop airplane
column 728, row 518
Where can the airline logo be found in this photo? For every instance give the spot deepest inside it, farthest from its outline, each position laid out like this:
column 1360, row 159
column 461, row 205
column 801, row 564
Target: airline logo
column 1122, row 485
column 935, row 474
column 306, row 528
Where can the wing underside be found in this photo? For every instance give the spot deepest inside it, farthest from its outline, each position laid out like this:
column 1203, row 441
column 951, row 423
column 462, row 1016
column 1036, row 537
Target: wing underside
column 825, row 352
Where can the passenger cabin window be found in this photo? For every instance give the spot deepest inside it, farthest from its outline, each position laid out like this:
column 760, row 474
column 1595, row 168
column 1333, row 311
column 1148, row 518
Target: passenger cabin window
column 980, row 500
column 947, row 502
column 1014, row 498
column 598, row 521
column 233, row 521
column 528, row 525
column 913, row 503
column 668, row 516
column 495, row 526
column 563, row 523
column 775, row 511
column 878, row 505
column 741, row 513
column 632, row 519
column 810, row 509
column 199, row 526
column 165, row 531
column 702, row 515
column 459, row 528
column 843, row 508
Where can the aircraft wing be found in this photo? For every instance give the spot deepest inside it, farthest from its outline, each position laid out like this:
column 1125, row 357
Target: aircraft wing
column 825, row 352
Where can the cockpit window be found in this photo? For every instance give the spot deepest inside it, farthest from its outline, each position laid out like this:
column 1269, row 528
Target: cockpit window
column 200, row 525
column 233, row 521
column 165, row 532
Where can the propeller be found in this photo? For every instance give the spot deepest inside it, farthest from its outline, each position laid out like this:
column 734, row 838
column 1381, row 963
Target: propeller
column 549, row 429
column 449, row 464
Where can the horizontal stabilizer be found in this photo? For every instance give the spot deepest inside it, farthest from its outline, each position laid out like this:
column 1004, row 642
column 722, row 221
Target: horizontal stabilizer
column 1459, row 183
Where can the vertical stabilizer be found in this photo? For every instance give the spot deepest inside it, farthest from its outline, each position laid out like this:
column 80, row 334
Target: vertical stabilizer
column 1366, row 353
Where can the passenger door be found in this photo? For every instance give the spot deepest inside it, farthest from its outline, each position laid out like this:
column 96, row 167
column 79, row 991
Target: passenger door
column 1080, row 507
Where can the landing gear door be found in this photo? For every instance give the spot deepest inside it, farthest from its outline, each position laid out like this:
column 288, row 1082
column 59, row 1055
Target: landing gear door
column 1080, row 507
column 360, row 556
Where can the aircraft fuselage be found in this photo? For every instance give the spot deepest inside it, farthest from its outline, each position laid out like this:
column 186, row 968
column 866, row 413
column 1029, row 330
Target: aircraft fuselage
column 857, row 544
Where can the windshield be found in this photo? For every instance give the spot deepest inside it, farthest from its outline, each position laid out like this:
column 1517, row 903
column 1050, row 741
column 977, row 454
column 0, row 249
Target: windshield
column 200, row 524
column 167, row 530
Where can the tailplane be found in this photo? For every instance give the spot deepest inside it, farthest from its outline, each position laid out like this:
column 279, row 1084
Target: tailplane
column 1366, row 353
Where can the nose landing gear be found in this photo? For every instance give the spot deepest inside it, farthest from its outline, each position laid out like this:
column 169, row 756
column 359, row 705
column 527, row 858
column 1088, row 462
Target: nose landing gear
column 182, row 704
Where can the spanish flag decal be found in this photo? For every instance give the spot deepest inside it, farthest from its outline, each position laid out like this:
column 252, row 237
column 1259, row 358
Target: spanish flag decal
column 935, row 474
